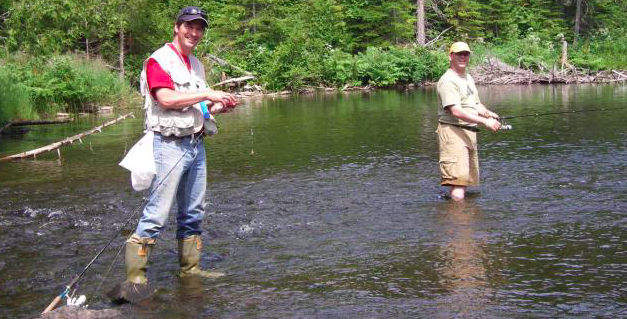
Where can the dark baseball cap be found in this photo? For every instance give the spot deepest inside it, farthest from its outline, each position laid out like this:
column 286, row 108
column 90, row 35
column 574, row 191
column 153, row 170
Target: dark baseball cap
column 191, row 13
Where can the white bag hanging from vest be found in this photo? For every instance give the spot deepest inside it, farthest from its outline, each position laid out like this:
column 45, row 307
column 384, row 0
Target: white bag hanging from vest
column 141, row 162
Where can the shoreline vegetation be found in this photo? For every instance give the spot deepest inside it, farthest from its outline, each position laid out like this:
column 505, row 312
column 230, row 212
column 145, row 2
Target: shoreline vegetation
column 493, row 72
column 73, row 85
column 73, row 57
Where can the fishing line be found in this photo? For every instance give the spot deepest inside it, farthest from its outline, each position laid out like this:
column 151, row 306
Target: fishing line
column 562, row 112
column 72, row 285
column 252, row 142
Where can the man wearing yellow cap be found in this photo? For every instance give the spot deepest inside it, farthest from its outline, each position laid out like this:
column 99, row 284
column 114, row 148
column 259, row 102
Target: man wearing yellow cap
column 459, row 113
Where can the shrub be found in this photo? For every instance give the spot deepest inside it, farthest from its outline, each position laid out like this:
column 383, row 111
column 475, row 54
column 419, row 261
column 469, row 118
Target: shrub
column 385, row 67
column 603, row 51
column 15, row 103
column 67, row 82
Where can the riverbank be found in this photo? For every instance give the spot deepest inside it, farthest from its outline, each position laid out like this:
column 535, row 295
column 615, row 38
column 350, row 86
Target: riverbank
column 491, row 72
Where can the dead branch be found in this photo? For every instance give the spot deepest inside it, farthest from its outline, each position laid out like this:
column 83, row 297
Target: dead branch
column 438, row 12
column 493, row 71
column 68, row 140
column 621, row 74
column 439, row 35
column 224, row 63
column 6, row 126
column 112, row 67
column 235, row 80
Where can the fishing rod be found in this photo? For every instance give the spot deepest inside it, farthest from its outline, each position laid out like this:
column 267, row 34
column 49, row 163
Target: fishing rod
column 72, row 285
column 562, row 112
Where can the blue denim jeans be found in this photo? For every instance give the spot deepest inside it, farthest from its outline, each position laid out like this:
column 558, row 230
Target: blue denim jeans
column 182, row 173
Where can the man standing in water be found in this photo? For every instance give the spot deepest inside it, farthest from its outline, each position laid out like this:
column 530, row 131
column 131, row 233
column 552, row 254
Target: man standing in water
column 459, row 112
column 173, row 83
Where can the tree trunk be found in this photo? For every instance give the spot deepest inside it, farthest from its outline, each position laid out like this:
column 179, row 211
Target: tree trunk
column 420, row 22
column 87, row 48
column 564, row 58
column 121, row 55
column 254, row 16
column 577, row 22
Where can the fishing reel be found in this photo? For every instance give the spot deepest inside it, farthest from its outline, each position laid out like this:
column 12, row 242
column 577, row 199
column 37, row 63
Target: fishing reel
column 78, row 301
column 504, row 125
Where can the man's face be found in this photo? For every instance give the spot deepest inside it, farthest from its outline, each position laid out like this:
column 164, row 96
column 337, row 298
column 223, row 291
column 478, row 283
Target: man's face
column 190, row 33
column 459, row 60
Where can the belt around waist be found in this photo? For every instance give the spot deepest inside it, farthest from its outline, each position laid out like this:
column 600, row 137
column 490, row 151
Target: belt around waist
column 466, row 127
column 193, row 136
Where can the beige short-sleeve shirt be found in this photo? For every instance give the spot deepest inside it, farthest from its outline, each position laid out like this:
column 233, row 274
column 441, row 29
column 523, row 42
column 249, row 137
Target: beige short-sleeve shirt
column 456, row 90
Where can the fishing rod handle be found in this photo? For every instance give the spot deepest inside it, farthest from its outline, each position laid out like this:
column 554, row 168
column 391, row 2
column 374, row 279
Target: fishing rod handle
column 53, row 304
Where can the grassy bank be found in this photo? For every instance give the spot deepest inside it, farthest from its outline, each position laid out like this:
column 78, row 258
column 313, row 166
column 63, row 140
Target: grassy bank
column 38, row 87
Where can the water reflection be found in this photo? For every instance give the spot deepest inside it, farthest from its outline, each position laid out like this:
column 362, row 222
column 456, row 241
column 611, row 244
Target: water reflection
column 462, row 269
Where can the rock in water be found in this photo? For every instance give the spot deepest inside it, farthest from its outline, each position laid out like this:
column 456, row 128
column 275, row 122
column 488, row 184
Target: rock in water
column 68, row 312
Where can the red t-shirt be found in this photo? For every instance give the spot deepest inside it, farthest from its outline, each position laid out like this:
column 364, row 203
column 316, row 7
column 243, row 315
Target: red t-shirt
column 157, row 77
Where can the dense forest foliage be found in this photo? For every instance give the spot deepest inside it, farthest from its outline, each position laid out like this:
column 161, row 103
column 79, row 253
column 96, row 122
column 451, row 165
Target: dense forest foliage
column 296, row 43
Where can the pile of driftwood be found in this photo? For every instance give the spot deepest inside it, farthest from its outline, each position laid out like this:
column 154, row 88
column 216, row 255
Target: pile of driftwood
column 494, row 71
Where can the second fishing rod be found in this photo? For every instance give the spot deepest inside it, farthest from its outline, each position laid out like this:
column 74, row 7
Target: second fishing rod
column 559, row 112
column 506, row 127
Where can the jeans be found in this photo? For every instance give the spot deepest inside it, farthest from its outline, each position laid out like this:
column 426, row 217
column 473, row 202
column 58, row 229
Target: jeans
column 182, row 173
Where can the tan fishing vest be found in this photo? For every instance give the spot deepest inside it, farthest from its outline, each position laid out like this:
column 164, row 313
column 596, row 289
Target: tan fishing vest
column 168, row 122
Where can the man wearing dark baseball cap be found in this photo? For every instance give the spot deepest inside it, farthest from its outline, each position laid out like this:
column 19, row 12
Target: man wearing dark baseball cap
column 191, row 13
column 173, row 85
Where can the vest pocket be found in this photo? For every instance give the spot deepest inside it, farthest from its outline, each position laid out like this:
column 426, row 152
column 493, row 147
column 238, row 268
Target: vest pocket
column 178, row 119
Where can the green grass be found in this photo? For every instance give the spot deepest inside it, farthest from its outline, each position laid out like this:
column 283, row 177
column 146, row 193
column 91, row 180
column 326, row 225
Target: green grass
column 15, row 103
column 63, row 83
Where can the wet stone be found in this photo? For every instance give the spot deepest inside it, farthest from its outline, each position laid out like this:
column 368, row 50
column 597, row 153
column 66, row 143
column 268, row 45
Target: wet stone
column 68, row 312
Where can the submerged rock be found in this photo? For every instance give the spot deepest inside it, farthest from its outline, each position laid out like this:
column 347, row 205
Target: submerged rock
column 67, row 312
column 130, row 292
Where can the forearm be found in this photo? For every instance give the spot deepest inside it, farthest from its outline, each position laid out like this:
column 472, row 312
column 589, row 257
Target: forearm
column 483, row 111
column 171, row 99
column 467, row 116
column 489, row 121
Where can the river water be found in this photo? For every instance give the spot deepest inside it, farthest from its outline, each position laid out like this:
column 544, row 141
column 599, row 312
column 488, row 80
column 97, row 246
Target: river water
column 328, row 206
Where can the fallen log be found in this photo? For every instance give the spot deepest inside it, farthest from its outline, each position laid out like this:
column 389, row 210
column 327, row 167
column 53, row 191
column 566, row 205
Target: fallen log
column 40, row 122
column 68, row 140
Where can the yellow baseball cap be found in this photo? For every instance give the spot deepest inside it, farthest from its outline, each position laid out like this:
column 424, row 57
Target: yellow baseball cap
column 459, row 47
